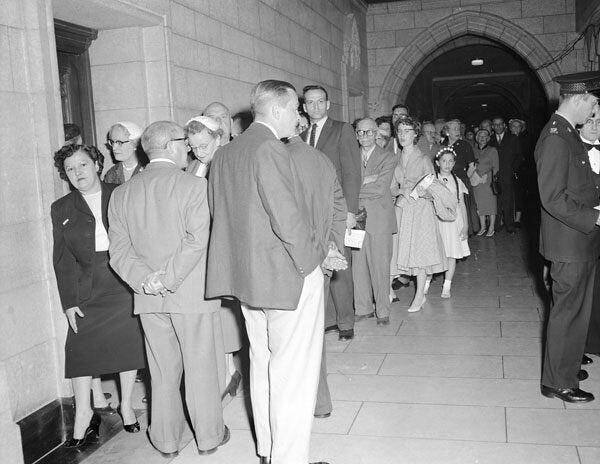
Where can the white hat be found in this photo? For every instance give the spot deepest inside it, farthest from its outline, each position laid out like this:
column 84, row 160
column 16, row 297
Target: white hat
column 210, row 123
column 135, row 132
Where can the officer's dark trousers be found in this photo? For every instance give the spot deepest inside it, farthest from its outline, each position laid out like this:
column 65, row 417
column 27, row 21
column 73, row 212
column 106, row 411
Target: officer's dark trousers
column 592, row 344
column 572, row 291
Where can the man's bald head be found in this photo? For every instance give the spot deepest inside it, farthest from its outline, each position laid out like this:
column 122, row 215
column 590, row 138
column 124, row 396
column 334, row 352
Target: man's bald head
column 220, row 112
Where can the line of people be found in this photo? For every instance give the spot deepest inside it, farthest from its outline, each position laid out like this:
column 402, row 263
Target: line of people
column 178, row 249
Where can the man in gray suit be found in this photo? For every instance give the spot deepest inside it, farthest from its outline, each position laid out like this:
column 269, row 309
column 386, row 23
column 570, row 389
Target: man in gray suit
column 159, row 227
column 265, row 251
column 336, row 139
column 372, row 262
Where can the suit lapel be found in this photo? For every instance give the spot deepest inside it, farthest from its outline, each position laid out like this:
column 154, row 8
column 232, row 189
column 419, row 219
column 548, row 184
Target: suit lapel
column 80, row 204
column 324, row 135
column 105, row 198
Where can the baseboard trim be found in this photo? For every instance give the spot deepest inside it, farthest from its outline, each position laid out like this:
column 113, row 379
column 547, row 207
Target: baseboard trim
column 44, row 432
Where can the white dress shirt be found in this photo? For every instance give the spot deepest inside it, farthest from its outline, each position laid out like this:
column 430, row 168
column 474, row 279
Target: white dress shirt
column 594, row 156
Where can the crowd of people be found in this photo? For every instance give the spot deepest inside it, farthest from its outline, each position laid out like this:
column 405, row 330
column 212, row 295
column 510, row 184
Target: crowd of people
column 199, row 241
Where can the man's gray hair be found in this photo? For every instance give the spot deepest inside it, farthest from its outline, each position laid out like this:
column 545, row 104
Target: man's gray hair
column 158, row 134
column 265, row 92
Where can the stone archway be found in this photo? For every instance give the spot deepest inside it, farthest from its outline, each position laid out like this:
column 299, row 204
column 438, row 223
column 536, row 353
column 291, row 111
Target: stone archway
column 402, row 73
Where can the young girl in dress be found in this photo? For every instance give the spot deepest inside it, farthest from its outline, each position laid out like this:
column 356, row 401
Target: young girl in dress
column 454, row 233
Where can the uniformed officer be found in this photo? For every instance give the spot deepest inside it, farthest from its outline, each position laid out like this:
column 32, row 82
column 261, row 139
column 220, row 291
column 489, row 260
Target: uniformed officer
column 569, row 236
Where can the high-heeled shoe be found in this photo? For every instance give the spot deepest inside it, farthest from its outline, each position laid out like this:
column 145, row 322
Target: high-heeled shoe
column 130, row 428
column 481, row 232
column 92, row 429
column 490, row 233
column 233, row 385
column 414, row 309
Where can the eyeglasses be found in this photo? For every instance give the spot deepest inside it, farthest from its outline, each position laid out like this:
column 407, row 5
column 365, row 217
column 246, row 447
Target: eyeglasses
column 362, row 133
column 118, row 143
column 195, row 148
column 183, row 139
column 592, row 122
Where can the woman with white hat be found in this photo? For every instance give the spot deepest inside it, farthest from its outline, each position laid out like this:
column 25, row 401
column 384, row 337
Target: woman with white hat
column 123, row 140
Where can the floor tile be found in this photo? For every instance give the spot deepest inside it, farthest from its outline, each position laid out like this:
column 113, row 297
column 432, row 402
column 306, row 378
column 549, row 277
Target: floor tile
column 521, row 302
column 412, row 365
column 429, row 390
column 522, row 329
column 354, row 363
column 381, row 450
column 478, row 314
column 342, row 417
column 557, row 427
column 446, row 345
column 522, row 367
column 430, row 421
column 450, row 328
column 589, row 455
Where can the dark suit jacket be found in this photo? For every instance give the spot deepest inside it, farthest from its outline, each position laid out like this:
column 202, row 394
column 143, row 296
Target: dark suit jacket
column 376, row 197
column 261, row 245
column 509, row 154
column 568, row 193
column 322, row 196
column 338, row 141
column 160, row 222
column 73, row 229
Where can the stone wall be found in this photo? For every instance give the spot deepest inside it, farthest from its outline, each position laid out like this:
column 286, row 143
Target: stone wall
column 29, row 307
column 403, row 35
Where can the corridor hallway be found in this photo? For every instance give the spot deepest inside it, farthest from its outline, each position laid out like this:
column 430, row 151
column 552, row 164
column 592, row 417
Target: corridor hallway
column 457, row 382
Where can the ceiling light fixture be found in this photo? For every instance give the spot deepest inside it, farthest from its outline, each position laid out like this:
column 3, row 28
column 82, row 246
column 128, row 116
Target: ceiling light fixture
column 484, row 104
column 477, row 62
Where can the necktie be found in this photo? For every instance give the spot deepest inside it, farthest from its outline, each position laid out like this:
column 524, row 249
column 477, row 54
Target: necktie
column 313, row 134
column 589, row 146
column 365, row 159
column 499, row 139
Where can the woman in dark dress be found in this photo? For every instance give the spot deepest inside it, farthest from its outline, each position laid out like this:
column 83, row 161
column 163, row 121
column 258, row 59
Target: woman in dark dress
column 105, row 337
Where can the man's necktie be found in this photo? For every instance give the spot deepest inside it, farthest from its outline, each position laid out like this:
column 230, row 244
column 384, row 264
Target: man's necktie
column 589, row 146
column 313, row 134
column 365, row 160
column 499, row 137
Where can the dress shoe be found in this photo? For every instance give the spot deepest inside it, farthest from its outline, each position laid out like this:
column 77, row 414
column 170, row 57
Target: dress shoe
column 130, row 428
column 517, row 225
column 383, row 320
column 414, row 308
column 397, row 284
column 360, row 317
column 226, row 437
column 490, row 233
column 323, row 416
column 570, row 395
column 586, row 360
column 172, row 455
column 92, row 429
column 265, row 460
column 582, row 375
column 331, row 328
column 480, row 233
column 346, row 335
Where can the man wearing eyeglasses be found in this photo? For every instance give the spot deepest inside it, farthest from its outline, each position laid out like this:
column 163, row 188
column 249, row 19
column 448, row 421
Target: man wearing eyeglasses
column 159, row 226
column 427, row 144
column 372, row 262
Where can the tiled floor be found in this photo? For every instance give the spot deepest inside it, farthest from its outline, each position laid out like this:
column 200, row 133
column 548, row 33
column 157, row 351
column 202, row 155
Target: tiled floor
column 457, row 382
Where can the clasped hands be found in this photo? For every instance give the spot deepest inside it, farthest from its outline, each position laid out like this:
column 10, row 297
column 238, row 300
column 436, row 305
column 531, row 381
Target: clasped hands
column 334, row 261
column 153, row 285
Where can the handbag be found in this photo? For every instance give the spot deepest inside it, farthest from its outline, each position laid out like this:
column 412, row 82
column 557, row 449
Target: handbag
column 495, row 184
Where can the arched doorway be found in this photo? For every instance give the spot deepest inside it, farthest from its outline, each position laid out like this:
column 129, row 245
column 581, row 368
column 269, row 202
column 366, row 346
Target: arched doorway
column 503, row 84
column 449, row 32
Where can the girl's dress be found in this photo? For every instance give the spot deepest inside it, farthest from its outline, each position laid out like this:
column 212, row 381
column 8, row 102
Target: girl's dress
column 418, row 244
column 450, row 230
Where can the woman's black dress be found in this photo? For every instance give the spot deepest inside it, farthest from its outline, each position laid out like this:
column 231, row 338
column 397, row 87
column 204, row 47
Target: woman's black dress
column 109, row 337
